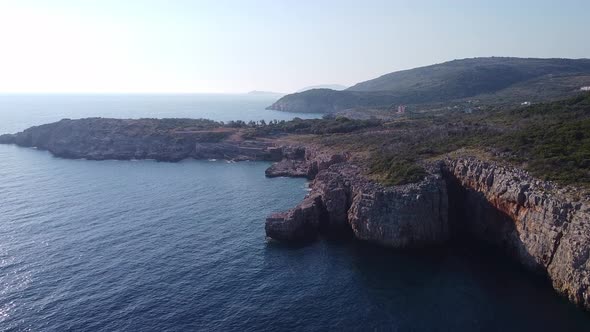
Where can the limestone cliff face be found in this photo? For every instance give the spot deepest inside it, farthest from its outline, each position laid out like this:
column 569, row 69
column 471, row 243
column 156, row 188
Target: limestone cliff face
column 405, row 216
column 413, row 215
column 544, row 228
column 325, row 208
column 298, row 224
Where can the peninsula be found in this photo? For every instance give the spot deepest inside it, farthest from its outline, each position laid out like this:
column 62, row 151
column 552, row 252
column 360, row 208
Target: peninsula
column 514, row 178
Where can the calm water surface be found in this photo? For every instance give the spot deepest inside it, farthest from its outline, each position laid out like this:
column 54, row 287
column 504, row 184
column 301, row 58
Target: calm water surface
column 20, row 111
column 148, row 246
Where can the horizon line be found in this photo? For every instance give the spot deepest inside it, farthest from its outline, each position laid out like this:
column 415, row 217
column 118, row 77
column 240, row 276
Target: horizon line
column 127, row 93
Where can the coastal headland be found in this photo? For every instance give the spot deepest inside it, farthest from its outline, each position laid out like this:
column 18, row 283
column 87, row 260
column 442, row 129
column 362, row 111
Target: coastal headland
column 410, row 182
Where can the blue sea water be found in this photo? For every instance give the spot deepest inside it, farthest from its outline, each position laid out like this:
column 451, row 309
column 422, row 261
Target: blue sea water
column 20, row 111
column 149, row 246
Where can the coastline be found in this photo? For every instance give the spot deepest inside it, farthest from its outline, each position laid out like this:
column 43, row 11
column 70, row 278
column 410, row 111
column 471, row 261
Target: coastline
column 541, row 226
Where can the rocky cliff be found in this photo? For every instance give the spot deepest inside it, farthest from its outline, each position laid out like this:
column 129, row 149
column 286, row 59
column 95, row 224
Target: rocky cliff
column 413, row 215
column 544, row 228
column 341, row 199
column 163, row 140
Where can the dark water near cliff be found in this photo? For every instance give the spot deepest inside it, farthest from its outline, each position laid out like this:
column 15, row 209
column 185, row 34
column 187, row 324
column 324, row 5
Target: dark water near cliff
column 147, row 246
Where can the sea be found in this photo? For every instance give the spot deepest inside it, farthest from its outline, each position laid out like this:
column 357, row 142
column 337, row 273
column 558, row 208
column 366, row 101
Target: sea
column 157, row 246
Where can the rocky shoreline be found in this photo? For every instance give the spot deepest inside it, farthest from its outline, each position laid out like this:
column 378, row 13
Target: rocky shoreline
column 100, row 139
column 543, row 227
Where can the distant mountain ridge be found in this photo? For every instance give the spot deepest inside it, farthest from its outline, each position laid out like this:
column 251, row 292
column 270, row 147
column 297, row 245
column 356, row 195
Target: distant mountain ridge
column 336, row 87
column 502, row 78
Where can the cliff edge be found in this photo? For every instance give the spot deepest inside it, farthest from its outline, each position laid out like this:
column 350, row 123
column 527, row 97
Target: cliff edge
column 540, row 225
column 543, row 226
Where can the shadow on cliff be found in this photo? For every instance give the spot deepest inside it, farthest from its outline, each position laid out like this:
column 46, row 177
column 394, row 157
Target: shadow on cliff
column 474, row 222
column 340, row 236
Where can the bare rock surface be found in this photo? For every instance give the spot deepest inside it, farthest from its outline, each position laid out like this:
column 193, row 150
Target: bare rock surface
column 124, row 139
column 298, row 224
column 303, row 161
column 414, row 215
column 405, row 216
column 326, row 206
column 542, row 226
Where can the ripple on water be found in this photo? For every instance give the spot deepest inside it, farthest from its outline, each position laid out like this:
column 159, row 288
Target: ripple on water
column 121, row 246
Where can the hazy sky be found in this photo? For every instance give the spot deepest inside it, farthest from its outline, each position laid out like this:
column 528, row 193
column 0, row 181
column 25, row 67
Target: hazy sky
column 237, row 46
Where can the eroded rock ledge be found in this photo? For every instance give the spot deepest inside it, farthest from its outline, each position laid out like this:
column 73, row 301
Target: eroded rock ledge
column 544, row 228
column 341, row 198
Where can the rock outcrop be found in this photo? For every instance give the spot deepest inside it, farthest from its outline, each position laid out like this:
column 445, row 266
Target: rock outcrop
column 414, row 215
column 298, row 224
column 543, row 227
column 163, row 140
column 326, row 209
column 406, row 216
column 300, row 161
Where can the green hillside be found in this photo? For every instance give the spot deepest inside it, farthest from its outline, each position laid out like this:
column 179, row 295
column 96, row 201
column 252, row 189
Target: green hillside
column 508, row 80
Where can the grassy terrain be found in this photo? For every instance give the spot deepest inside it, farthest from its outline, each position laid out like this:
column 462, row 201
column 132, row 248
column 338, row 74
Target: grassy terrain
column 490, row 81
column 312, row 126
column 550, row 140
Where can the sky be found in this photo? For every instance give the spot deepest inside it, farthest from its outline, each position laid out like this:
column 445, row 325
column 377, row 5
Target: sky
column 222, row 46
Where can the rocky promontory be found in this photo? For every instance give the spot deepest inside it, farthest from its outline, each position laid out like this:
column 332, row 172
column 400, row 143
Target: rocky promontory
column 543, row 226
column 539, row 225
column 158, row 139
column 341, row 198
